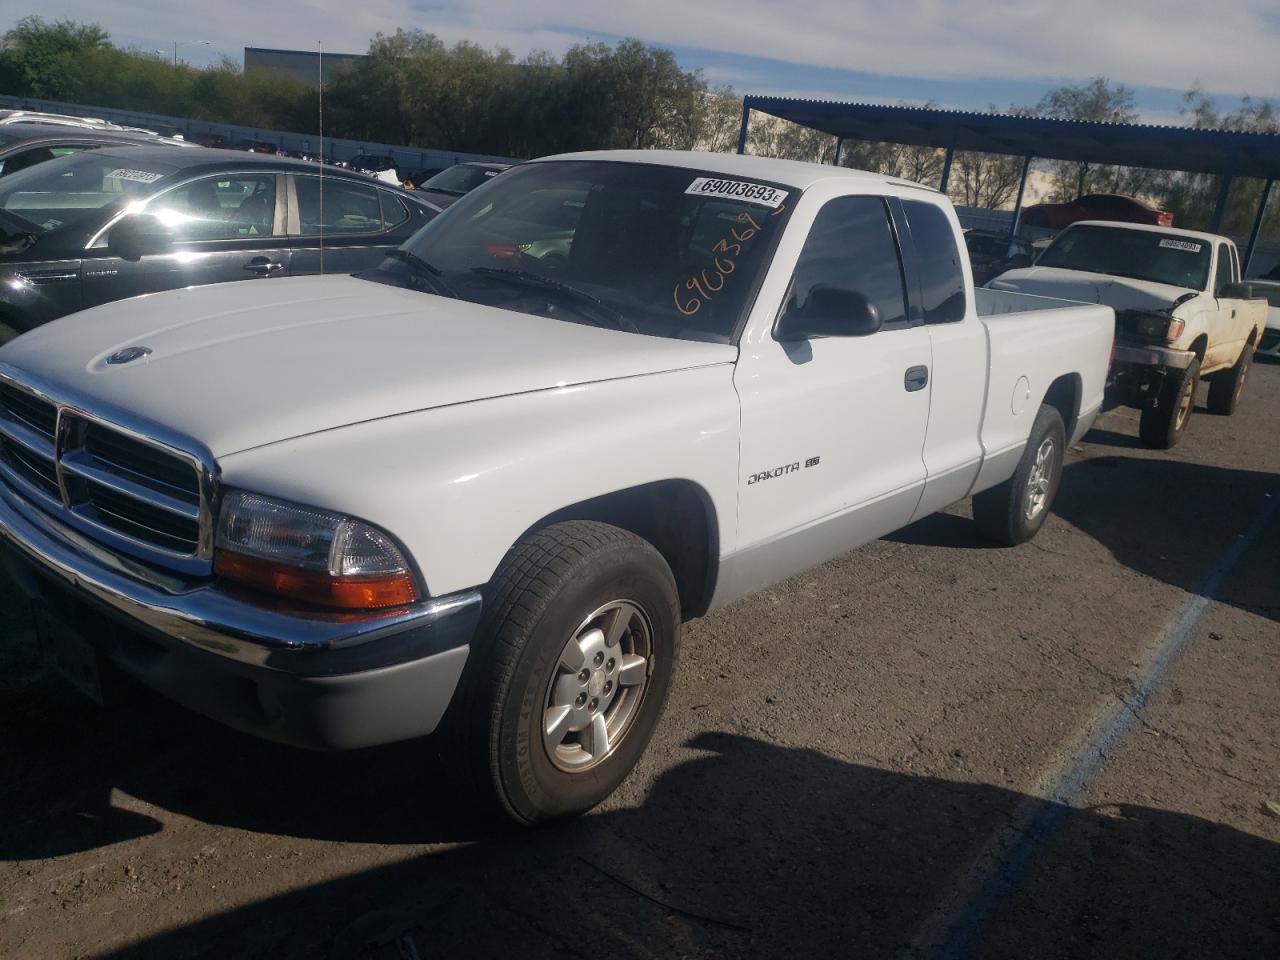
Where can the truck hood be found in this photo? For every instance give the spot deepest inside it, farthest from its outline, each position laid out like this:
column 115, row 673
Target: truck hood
column 1122, row 293
column 239, row 365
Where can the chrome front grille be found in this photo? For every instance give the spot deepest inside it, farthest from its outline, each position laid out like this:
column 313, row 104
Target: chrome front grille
column 146, row 497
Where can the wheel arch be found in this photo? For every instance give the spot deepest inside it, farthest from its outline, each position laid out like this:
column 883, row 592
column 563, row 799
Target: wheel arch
column 1199, row 346
column 678, row 517
column 1064, row 396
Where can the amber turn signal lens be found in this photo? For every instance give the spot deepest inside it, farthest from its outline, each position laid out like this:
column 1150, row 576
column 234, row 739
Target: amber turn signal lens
column 314, row 587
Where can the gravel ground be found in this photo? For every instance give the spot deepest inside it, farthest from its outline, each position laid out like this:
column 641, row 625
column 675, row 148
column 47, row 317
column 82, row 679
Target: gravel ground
column 894, row 755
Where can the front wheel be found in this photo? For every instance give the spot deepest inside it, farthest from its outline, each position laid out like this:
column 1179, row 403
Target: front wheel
column 1162, row 425
column 1014, row 511
column 569, row 672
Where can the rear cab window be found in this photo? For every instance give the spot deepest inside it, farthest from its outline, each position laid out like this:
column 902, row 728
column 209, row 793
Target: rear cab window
column 937, row 262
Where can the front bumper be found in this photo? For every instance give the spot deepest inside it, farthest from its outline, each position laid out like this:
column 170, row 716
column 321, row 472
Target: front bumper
column 1139, row 371
column 1150, row 356
column 323, row 681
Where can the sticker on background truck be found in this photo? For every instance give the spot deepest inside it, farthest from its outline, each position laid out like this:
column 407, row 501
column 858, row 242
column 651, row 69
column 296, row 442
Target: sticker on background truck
column 1186, row 245
column 738, row 190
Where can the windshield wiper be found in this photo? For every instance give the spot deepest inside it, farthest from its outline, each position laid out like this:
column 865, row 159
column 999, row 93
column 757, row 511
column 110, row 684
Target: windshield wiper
column 422, row 268
column 530, row 279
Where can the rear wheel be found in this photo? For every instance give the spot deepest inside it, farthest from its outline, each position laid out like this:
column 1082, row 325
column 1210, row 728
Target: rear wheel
column 569, row 672
column 1162, row 425
column 1014, row 511
column 1226, row 388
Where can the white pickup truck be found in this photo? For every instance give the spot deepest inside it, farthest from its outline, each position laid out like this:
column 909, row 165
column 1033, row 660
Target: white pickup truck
column 480, row 487
column 1181, row 314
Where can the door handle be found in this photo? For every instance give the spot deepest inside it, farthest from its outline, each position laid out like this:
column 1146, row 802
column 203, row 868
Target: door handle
column 263, row 267
column 917, row 378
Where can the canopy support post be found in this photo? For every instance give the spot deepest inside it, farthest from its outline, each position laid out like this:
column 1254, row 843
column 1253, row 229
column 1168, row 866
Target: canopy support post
column 839, row 151
column 742, row 130
column 1215, row 222
column 1257, row 228
column 1017, row 204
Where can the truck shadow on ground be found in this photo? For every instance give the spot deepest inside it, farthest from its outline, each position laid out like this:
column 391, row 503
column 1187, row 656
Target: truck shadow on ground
column 1168, row 519
column 747, row 849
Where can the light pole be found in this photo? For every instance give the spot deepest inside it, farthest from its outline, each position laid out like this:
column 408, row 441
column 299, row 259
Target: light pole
column 190, row 43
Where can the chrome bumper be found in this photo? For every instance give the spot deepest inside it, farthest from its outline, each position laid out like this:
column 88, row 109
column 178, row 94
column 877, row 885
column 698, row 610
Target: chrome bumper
column 315, row 680
column 1145, row 356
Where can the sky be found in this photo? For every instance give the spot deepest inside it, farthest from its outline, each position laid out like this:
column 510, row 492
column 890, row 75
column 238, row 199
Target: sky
column 959, row 53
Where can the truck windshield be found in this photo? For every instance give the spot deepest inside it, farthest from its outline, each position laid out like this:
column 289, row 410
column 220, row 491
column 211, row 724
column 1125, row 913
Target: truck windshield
column 659, row 250
column 1178, row 261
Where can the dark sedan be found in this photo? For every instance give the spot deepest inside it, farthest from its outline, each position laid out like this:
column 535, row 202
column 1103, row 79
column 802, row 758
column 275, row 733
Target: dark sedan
column 116, row 222
column 991, row 254
column 24, row 145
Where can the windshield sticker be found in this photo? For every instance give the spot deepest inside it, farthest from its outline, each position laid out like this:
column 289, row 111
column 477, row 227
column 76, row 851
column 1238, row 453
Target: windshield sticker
column 1186, row 245
column 738, row 190
column 137, row 176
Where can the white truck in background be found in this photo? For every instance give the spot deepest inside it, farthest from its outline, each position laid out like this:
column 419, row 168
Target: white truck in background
column 1182, row 314
column 479, row 488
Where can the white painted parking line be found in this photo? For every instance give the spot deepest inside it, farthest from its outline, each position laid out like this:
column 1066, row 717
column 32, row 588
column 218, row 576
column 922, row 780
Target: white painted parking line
column 955, row 926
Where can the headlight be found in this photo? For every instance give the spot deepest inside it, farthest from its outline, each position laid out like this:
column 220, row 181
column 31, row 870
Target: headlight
column 310, row 555
column 1157, row 326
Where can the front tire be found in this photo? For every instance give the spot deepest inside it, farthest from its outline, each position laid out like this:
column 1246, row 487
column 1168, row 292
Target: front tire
column 1225, row 388
column 1013, row 512
column 1162, row 426
column 569, row 672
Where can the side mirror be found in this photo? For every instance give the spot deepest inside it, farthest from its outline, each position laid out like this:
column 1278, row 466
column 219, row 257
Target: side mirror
column 140, row 235
column 1236, row 291
column 829, row 311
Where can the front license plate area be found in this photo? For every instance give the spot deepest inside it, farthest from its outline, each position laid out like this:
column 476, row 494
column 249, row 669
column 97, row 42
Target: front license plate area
column 68, row 653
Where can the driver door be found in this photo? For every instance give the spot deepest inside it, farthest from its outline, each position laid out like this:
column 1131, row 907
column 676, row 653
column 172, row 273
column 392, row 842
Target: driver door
column 225, row 227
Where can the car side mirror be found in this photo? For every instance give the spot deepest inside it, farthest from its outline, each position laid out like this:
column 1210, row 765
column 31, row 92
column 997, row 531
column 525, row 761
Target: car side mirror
column 1236, row 291
column 829, row 311
column 138, row 236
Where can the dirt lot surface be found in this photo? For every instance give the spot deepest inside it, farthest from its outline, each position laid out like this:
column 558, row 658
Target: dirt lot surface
column 926, row 748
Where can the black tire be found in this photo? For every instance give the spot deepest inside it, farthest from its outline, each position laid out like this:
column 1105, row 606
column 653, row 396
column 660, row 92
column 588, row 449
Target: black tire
column 1225, row 388
column 1161, row 426
column 1001, row 512
column 542, row 595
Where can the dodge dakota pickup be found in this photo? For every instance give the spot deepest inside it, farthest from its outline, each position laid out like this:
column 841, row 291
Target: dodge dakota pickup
column 476, row 491
column 1181, row 314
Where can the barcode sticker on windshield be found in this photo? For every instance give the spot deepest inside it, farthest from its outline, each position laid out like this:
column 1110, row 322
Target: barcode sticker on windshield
column 738, row 190
column 1186, row 245
column 138, row 176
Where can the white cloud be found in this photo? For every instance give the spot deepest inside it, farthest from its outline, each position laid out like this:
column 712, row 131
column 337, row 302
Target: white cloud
column 1230, row 48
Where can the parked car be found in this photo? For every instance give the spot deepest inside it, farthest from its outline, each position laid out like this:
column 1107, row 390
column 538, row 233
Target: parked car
column 42, row 118
column 255, row 146
column 288, row 499
column 1094, row 206
column 371, row 163
column 459, row 180
column 209, row 139
column 419, row 177
column 111, row 223
column 991, row 254
column 1181, row 314
column 1269, row 342
column 23, row 145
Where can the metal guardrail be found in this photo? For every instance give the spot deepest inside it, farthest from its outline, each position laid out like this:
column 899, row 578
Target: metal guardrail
column 412, row 158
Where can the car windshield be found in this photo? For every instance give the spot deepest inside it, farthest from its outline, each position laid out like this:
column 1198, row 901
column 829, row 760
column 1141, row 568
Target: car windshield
column 666, row 251
column 1139, row 254
column 460, row 179
column 69, row 190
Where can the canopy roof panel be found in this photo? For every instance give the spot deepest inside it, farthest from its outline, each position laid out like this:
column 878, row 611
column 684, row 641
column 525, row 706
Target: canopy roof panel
column 1223, row 152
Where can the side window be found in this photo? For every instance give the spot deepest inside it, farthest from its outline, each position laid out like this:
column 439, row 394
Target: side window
column 393, row 211
column 234, row 207
column 1222, row 276
column 852, row 246
column 937, row 262
column 348, row 208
